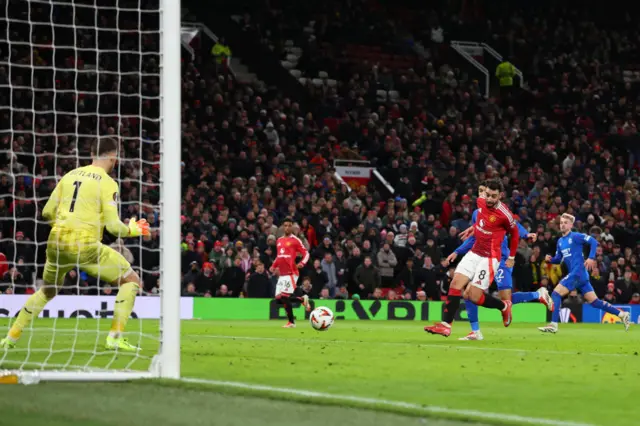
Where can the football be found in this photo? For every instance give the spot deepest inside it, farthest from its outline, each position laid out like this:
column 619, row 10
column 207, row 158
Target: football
column 321, row 318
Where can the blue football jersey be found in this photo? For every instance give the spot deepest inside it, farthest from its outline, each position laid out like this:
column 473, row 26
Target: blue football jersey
column 569, row 251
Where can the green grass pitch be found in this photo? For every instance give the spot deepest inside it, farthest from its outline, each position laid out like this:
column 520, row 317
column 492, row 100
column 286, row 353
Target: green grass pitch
column 361, row 373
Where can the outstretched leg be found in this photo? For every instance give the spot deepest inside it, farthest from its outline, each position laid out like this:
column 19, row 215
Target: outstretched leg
column 591, row 298
column 31, row 309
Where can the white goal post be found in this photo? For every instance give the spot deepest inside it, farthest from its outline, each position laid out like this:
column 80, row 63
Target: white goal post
column 165, row 363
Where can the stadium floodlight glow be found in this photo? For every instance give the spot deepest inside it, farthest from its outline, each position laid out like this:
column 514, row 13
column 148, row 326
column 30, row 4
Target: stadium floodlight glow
column 75, row 70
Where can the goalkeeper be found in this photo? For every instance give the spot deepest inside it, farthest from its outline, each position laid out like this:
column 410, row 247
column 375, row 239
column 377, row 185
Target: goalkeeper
column 84, row 202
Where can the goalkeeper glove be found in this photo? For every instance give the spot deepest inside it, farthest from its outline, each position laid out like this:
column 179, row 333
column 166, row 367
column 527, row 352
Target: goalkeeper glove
column 138, row 227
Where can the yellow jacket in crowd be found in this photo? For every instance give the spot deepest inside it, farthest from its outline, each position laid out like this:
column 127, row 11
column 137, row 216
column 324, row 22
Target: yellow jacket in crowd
column 221, row 52
column 505, row 72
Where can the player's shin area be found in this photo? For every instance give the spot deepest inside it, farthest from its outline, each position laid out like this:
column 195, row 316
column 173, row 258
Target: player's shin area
column 459, row 284
column 129, row 286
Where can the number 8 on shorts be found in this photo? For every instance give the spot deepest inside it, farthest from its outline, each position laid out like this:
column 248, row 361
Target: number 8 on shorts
column 480, row 270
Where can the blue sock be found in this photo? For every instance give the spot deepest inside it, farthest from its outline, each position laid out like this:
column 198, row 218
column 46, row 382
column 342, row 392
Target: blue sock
column 605, row 306
column 523, row 297
column 472, row 314
column 557, row 304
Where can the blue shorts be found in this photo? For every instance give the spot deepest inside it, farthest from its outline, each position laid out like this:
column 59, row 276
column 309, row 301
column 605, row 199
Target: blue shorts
column 503, row 278
column 577, row 282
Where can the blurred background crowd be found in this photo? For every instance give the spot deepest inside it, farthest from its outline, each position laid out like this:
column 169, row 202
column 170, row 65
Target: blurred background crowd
column 368, row 80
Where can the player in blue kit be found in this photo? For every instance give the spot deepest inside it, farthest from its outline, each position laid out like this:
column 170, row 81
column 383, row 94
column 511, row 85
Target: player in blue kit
column 569, row 251
column 503, row 279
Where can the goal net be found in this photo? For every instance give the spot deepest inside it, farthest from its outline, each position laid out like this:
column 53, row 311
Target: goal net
column 71, row 70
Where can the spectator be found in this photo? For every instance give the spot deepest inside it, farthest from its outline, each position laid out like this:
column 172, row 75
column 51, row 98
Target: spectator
column 259, row 284
column 119, row 246
column 367, row 278
column 319, row 278
column 340, row 263
column 308, row 289
column 217, row 255
column 190, row 291
column 223, row 291
column 329, row 268
column 574, row 298
column 377, row 294
column 206, row 281
column 233, row 279
column 392, row 295
column 409, row 277
column 325, row 294
column 386, row 262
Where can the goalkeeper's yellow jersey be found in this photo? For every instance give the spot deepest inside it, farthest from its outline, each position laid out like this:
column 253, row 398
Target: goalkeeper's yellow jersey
column 84, row 202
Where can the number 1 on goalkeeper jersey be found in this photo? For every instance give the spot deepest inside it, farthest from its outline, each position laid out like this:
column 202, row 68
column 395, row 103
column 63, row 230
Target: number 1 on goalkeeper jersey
column 84, row 202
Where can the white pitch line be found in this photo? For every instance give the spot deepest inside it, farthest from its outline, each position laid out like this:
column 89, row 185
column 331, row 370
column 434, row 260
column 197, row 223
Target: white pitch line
column 420, row 409
column 423, row 345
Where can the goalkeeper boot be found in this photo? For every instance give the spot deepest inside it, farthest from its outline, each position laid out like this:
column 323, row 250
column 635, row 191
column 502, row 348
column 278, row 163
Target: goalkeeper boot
column 625, row 317
column 120, row 343
column 7, row 343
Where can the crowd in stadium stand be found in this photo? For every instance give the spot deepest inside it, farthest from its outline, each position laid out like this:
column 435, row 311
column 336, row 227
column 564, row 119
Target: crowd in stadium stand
column 252, row 156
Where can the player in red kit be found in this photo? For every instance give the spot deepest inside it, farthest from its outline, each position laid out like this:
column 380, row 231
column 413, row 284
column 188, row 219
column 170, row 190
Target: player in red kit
column 287, row 250
column 478, row 267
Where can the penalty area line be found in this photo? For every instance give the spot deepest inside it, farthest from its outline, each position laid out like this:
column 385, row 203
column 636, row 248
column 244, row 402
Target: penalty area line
column 424, row 345
column 417, row 408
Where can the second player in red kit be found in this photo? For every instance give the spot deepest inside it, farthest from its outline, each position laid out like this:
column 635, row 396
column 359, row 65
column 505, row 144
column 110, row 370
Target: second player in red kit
column 286, row 266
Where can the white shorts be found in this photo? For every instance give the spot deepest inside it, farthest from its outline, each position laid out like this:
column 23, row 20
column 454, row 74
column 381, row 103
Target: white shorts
column 286, row 284
column 480, row 270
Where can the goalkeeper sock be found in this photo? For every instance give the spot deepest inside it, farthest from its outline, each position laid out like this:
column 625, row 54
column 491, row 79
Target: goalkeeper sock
column 605, row 306
column 472, row 315
column 31, row 309
column 557, row 304
column 122, row 310
column 524, row 296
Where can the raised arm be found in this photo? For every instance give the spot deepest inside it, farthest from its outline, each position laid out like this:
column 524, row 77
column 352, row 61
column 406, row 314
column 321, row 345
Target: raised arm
column 112, row 222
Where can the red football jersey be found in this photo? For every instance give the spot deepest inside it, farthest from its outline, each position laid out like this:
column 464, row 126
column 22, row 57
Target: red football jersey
column 288, row 248
column 492, row 224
